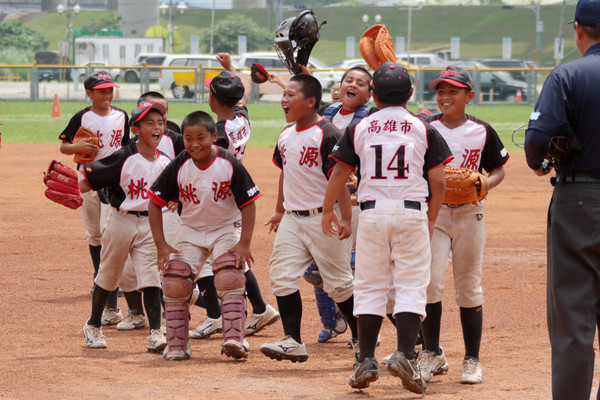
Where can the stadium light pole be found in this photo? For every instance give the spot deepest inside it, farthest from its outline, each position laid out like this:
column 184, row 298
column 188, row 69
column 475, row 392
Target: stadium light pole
column 410, row 10
column 539, row 27
column 164, row 7
column 365, row 19
column 62, row 9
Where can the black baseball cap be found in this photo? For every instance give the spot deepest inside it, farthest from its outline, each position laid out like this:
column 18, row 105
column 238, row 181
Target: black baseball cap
column 227, row 87
column 454, row 75
column 99, row 79
column 587, row 13
column 144, row 108
column 391, row 83
column 258, row 73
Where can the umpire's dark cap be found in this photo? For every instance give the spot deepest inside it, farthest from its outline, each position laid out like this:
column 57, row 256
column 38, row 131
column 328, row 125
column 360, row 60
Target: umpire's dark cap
column 144, row 108
column 587, row 13
column 227, row 87
column 99, row 79
column 391, row 83
column 454, row 75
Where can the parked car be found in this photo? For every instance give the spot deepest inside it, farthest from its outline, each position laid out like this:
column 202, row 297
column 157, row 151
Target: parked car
column 92, row 66
column 166, row 78
column 507, row 63
column 132, row 75
column 49, row 74
column 319, row 69
column 505, row 87
column 421, row 59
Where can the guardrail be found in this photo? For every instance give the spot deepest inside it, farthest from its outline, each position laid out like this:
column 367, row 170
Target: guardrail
column 41, row 82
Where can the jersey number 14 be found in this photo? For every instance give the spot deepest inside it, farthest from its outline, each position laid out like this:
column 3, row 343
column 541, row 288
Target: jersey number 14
column 396, row 163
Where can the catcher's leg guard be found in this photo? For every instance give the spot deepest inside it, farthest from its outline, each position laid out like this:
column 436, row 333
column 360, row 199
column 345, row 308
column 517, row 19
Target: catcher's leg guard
column 177, row 287
column 313, row 276
column 332, row 319
column 230, row 284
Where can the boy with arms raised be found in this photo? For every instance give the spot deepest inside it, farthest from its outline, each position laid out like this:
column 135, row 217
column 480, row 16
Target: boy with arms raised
column 400, row 193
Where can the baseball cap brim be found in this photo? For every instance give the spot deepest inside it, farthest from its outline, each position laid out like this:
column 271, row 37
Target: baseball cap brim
column 207, row 82
column 155, row 106
column 105, row 85
column 434, row 84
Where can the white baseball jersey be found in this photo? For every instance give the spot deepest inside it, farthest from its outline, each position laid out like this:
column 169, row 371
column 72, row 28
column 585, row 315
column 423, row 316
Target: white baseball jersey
column 233, row 135
column 210, row 197
column 304, row 157
column 128, row 176
column 393, row 150
column 171, row 143
column 474, row 144
column 112, row 129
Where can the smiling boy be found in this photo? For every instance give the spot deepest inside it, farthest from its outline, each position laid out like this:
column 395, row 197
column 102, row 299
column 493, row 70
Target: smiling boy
column 126, row 174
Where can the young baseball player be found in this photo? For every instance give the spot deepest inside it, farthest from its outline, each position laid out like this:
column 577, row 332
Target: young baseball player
column 400, row 193
column 460, row 229
column 227, row 99
column 355, row 92
column 127, row 174
column 302, row 154
column 171, row 144
column 335, row 92
column 217, row 214
column 110, row 125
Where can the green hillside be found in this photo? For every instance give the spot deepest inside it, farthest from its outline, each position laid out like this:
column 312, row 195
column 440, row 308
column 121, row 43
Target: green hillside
column 480, row 28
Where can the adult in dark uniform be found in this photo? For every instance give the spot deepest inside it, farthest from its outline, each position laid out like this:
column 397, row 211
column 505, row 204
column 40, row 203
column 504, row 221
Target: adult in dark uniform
column 569, row 101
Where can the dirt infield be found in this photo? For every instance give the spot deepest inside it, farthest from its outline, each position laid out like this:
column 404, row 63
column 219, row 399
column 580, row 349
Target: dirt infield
column 46, row 276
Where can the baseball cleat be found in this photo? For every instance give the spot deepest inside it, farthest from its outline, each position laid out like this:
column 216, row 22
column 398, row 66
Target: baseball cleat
column 132, row 321
column 94, row 339
column 364, row 373
column 207, row 327
column 177, row 355
column 234, row 349
column 327, row 333
column 407, row 371
column 156, row 341
column 430, row 364
column 471, row 371
column 258, row 322
column 111, row 316
column 285, row 349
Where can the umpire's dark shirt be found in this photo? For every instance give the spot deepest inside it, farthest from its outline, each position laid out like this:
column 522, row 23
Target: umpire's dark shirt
column 571, row 94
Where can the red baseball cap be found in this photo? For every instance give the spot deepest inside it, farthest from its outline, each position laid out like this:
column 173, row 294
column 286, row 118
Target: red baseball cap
column 99, row 79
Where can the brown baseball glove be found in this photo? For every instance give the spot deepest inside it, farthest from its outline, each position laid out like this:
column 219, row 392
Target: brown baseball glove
column 63, row 185
column 376, row 46
column 84, row 133
column 464, row 186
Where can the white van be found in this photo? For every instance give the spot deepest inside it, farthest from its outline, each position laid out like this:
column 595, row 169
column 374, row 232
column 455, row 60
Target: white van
column 132, row 75
column 167, row 78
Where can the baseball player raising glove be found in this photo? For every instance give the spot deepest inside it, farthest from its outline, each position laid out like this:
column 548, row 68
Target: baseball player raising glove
column 62, row 184
column 464, row 186
column 376, row 46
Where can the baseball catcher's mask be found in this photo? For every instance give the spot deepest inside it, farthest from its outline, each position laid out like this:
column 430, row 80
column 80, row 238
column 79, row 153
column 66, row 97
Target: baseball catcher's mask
column 297, row 35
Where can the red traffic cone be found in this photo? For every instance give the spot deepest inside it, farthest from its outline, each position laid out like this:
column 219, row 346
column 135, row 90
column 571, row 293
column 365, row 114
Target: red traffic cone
column 519, row 97
column 55, row 107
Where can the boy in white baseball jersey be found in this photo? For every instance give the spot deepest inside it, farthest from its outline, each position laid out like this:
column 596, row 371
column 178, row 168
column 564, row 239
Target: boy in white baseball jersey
column 302, row 154
column 460, row 230
column 351, row 107
column 171, row 144
column 228, row 100
column 400, row 193
column 217, row 215
column 110, row 125
column 128, row 173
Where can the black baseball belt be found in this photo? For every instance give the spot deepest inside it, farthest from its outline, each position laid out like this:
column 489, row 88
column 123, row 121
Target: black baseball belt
column 413, row 205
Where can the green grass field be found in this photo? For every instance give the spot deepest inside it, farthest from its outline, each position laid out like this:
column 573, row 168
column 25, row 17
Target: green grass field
column 30, row 122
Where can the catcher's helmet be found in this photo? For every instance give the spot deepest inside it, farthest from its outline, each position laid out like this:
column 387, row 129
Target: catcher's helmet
column 299, row 34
